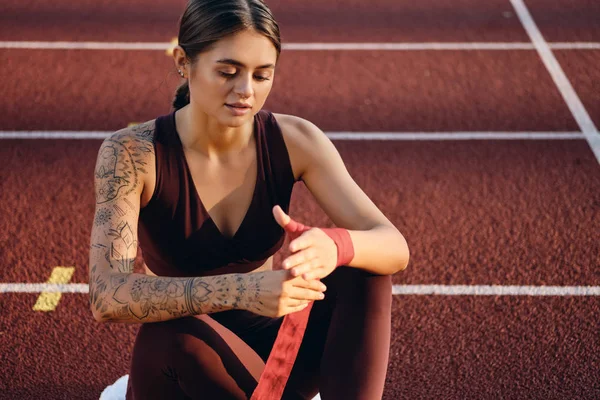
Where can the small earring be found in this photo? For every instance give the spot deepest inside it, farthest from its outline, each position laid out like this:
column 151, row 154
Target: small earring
column 180, row 73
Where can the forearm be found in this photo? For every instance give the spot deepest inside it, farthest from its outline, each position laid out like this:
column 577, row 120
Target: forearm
column 381, row 250
column 139, row 298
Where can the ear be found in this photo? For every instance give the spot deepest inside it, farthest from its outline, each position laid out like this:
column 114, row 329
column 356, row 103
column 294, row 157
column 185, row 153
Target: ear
column 180, row 59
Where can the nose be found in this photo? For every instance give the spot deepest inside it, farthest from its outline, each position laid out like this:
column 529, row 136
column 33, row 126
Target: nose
column 243, row 87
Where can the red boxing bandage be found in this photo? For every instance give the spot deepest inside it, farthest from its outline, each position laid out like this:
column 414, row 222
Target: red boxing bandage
column 278, row 367
column 295, row 228
column 340, row 236
column 343, row 241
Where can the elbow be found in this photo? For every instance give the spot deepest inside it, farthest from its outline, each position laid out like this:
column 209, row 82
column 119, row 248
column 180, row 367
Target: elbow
column 404, row 254
column 98, row 316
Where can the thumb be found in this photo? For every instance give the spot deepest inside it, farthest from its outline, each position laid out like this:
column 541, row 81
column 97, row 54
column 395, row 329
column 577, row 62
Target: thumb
column 286, row 222
column 281, row 217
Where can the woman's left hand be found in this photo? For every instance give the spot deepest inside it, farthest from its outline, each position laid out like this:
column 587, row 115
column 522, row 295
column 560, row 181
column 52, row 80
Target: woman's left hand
column 314, row 253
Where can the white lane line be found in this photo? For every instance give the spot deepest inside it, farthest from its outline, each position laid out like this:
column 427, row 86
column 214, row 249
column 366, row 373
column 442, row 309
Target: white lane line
column 446, row 290
column 439, row 46
column 410, row 136
column 64, row 45
column 496, row 290
column 406, row 136
column 44, row 287
column 574, row 46
column 558, row 76
column 55, row 134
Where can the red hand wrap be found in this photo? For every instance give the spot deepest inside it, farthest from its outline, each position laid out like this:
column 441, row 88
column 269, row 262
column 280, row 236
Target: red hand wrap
column 295, row 228
column 343, row 241
column 340, row 236
column 272, row 381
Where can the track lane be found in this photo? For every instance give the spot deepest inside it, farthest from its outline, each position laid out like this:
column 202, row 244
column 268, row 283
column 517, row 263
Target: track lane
column 494, row 347
column 64, row 354
column 442, row 347
column 299, row 21
column 581, row 67
column 567, row 20
column 337, row 90
column 483, row 212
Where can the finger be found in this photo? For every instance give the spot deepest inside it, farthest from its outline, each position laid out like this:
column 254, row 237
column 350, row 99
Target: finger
column 313, row 284
column 315, row 273
column 306, row 267
column 299, row 258
column 297, row 303
column 302, row 242
column 280, row 216
column 286, row 222
column 294, row 226
column 306, row 294
column 299, row 308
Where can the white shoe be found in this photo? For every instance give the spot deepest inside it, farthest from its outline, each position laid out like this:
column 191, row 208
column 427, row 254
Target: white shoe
column 117, row 390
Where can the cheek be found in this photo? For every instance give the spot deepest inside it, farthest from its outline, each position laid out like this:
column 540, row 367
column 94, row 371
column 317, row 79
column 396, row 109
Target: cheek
column 207, row 88
column 262, row 91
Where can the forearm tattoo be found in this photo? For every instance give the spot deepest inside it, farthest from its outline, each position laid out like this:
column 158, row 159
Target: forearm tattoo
column 150, row 298
column 247, row 292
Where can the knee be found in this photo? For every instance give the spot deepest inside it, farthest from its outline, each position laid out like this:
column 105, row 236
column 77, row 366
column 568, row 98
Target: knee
column 359, row 285
column 178, row 336
column 192, row 336
column 349, row 277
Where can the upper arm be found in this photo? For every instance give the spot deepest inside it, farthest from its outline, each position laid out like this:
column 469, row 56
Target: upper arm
column 118, row 183
column 322, row 170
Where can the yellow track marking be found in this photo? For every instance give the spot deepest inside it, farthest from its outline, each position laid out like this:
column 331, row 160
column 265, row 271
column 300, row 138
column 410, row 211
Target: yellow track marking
column 174, row 42
column 49, row 301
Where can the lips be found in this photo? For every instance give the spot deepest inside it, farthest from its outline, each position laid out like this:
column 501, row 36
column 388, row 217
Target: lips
column 239, row 105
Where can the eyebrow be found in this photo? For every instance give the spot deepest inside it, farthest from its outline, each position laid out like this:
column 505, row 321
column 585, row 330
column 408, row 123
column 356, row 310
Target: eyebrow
column 239, row 64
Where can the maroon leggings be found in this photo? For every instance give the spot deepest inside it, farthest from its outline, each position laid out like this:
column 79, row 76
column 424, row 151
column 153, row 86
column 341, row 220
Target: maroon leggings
column 344, row 353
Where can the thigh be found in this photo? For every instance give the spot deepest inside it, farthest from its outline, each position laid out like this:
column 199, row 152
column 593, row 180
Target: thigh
column 259, row 333
column 256, row 331
column 192, row 358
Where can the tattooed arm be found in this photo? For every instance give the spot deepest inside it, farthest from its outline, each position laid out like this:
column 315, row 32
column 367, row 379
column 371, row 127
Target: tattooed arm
column 118, row 294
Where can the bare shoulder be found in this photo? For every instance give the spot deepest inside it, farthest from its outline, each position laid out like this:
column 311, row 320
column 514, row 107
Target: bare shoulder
column 303, row 139
column 123, row 161
column 139, row 134
column 297, row 129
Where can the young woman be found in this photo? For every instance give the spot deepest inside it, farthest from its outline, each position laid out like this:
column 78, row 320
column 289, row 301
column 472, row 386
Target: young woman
column 206, row 191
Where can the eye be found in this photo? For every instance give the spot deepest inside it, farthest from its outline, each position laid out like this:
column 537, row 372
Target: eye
column 229, row 76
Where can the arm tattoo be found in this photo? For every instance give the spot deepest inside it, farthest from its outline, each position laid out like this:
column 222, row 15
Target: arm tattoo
column 123, row 243
column 150, row 297
column 120, row 160
column 103, row 215
column 248, row 291
column 97, row 291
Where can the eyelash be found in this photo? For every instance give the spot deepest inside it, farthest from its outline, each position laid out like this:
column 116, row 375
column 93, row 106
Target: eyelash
column 229, row 76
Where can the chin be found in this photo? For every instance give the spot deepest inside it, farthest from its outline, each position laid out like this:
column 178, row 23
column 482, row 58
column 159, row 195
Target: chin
column 236, row 121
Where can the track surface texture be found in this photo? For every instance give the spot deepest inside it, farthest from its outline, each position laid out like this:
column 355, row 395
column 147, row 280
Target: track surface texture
column 481, row 211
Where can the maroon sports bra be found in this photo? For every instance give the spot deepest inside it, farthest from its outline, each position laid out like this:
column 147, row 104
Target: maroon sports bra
column 176, row 233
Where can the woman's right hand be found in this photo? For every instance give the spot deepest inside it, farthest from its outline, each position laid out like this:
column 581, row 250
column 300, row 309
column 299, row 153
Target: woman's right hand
column 277, row 293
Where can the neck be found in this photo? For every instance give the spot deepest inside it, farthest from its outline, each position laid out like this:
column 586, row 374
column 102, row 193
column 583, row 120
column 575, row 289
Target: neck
column 203, row 134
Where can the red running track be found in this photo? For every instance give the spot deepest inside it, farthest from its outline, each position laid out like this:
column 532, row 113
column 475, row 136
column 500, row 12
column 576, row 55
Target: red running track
column 506, row 212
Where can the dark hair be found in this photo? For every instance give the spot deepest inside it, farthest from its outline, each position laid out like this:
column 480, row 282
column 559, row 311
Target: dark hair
column 204, row 22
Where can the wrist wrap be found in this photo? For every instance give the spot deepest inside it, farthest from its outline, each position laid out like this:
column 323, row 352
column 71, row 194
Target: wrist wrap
column 343, row 241
column 340, row 236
